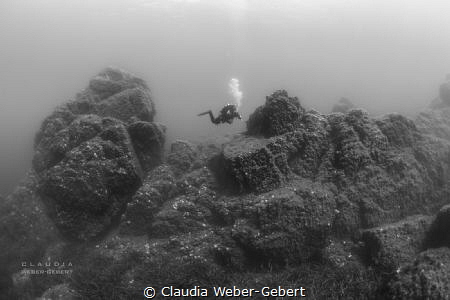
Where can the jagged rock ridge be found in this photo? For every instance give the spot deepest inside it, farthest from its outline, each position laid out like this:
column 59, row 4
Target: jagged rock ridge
column 300, row 189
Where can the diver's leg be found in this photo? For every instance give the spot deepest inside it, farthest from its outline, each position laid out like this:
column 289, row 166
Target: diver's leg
column 211, row 116
column 204, row 113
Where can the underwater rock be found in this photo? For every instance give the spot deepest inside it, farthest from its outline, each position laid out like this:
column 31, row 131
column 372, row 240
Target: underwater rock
column 128, row 105
column 83, row 128
column 343, row 106
column 439, row 233
column 125, row 266
column 399, row 130
column 92, row 153
column 287, row 225
column 254, row 164
column 392, row 246
column 428, row 277
column 444, row 93
column 148, row 143
column 279, row 115
column 59, row 292
column 158, row 187
column 111, row 81
column 182, row 156
column 25, row 232
column 87, row 191
column 434, row 122
column 282, row 200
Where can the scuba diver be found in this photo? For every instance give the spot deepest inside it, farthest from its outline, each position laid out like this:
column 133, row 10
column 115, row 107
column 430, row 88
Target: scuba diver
column 227, row 114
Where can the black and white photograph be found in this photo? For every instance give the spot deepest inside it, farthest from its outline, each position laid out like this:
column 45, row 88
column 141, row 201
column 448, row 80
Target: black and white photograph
column 224, row 149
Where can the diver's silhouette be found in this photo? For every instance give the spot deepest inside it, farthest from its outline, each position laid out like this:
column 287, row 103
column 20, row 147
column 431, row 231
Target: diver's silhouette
column 227, row 114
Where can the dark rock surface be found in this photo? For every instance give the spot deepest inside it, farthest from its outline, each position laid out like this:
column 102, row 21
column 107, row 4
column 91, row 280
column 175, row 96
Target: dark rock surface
column 182, row 156
column 329, row 202
column 92, row 153
column 439, row 233
column 287, row 225
column 428, row 277
column 386, row 168
column 279, row 115
column 390, row 247
column 148, row 142
column 25, row 232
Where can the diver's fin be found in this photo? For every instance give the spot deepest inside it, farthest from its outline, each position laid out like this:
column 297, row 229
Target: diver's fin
column 204, row 113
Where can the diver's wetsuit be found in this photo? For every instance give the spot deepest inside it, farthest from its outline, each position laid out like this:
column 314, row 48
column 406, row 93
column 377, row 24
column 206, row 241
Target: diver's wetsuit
column 227, row 114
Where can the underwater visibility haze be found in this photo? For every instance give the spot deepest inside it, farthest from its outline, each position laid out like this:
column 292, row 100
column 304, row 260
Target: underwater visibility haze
column 384, row 56
column 324, row 167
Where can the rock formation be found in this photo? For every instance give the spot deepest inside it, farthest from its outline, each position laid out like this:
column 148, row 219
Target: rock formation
column 92, row 153
column 279, row 115
column 343, row 106
column 301, row 198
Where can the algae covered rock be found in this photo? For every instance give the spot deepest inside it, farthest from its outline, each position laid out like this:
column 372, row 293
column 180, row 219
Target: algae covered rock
column 182, row 156
column 148, row 143
column 392, row 246
column 428, row 277
column 439, row 233
column 92, row 153
column 279, row 115
column 399, row 130
column 25, row 233
column 253, row 165
column 159, row 186
column 87, row 191
column 435, row 122
column 286, row 225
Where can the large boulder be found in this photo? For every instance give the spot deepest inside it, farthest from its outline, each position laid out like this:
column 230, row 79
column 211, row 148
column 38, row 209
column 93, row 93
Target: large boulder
column 253, row 164
column 87, row 191
column 148, row 143
column 279, row 115
column 93, row 152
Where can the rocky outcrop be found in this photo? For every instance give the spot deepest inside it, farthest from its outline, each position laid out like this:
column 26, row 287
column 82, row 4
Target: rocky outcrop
column 287, row 225
column 428, row 277
column 279, row 115
column 182, row 156
column 390, row 247
column 386, row 168
column 92, row 153
column 439, row 234
column 435, row 122
column 148, row 143
column 343, row 106
column 300, row 198
column 25, row 233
